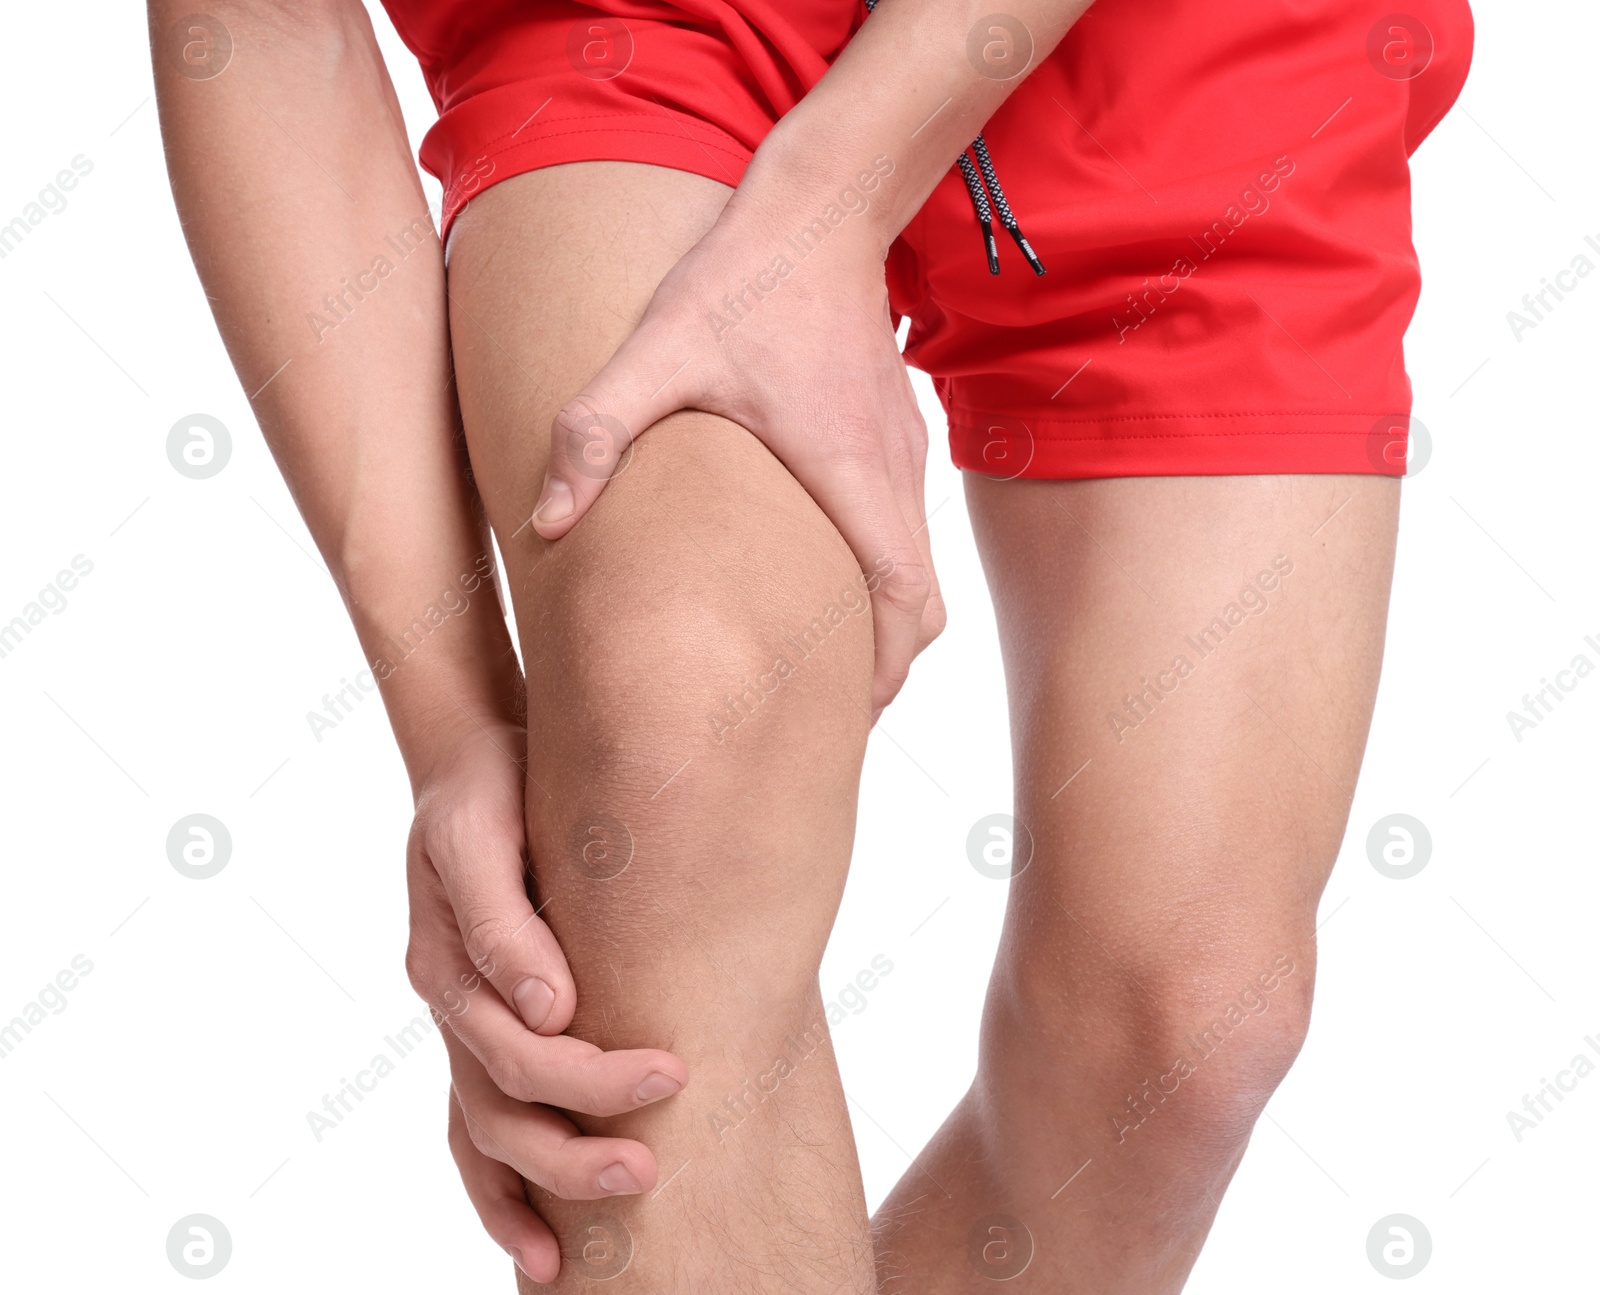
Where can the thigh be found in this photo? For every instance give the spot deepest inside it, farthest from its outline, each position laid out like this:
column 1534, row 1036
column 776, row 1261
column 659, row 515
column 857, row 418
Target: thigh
column 707, row 598
column 1192, row 664
column 698, row 653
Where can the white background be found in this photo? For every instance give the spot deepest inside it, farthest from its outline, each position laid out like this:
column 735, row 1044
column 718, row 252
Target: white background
column 178, row 678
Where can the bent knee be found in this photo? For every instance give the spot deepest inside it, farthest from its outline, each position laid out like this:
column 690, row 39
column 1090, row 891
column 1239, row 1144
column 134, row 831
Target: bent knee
column 698, row 673
column 705, row 599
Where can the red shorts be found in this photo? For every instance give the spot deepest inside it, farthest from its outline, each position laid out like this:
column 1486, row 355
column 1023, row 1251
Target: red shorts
column 1220, row 193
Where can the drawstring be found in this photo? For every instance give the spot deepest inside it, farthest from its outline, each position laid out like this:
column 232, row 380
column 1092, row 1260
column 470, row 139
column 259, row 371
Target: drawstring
column 981, row 200
column 980, row 150
column 980, row 204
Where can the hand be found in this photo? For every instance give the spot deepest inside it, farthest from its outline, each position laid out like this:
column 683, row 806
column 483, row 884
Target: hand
column 807, row 362
column 493, row 973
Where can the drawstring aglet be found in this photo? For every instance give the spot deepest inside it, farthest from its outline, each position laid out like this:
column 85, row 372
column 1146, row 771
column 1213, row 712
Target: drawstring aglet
column 992, row 248
column 981, row 209
column 1027, row 250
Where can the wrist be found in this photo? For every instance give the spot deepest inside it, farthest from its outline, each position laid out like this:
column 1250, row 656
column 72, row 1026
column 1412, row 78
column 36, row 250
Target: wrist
column 434, row 718
column 446, row 670
column 806, row 193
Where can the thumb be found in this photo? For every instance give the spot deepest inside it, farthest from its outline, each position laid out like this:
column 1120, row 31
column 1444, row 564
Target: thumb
column 591, row 438
column 473, row 872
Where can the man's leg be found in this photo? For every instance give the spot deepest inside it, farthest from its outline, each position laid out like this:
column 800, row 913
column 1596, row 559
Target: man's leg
column 699, row 659
column 1191, row 665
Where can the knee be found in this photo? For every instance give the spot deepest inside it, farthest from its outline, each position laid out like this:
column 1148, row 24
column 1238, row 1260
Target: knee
column 1218, row 1040
column 698, row 682
column 706, row 630
column 641, row 667
column 1187, row 1042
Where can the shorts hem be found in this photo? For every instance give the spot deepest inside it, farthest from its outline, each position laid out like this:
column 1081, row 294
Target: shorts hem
column 1177, row 445
column 654, row 139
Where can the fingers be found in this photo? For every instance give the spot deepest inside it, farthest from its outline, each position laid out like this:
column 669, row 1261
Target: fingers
column 934, row 616
column 496, row 1193
column 529, row 1067
column 564, row 1071
column 860, row 500
column 591, row 436
column 907, row 475
column 541, row 1144
column 493, row 971
column 467, row 869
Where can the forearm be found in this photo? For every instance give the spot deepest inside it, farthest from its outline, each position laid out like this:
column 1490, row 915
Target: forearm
column 908, row 89
column 313, row 241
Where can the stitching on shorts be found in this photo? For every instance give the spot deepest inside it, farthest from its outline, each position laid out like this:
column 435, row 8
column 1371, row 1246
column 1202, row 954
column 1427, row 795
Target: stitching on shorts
column 1194, row 436
column 540, row 134
column 1160, row 418
column 1186, row 436
column 455, row 200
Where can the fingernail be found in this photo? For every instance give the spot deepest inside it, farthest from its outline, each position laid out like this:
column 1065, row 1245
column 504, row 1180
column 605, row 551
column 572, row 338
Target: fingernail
column 616, row 1178
column 555, row 501
column 516, row 1258
column 656, row 1086
column 534, row 999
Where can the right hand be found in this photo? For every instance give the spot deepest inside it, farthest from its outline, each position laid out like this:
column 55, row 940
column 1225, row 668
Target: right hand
column 492, row 972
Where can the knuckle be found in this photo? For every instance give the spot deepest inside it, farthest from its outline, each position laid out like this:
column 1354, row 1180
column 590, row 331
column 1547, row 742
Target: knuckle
column 856, row 452
column 592, row 1095
column 908, row 452
column 586, row 441
column 906, row 586
column 478, row 1137
column 459, row 1135
column 887, row 686
column 416, row 839
column 470, row 830
column 509, row 1075
column 485, row 936
column 575, row 410
column 419, row 969
column 575, row 414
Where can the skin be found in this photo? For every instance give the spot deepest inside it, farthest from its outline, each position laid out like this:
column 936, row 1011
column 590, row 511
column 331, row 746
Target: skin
column 291, row 171
column 1193, row 913
column 900, row 102
column 1128, row 933
column 635, row 628
column 1176, row 866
